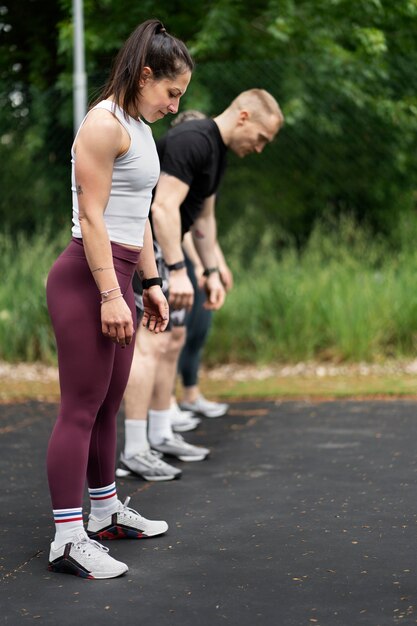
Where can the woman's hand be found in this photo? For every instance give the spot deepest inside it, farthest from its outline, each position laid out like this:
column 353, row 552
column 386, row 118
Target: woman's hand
column 156, row 309
column 116, row 321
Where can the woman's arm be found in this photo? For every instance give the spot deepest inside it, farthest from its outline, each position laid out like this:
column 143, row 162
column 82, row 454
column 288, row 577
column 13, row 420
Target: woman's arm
column 100, row 140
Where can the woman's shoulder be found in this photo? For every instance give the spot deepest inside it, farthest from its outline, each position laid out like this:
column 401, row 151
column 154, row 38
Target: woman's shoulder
column 102, row 132
column 100, row 118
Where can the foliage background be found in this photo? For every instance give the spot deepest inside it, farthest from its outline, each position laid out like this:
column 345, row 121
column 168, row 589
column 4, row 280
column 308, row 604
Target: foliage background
column 343, row 72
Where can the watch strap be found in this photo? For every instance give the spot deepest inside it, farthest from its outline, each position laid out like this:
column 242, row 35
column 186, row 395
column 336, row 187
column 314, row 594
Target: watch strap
column 176, row 266
column 210, row 270
column 151, row 282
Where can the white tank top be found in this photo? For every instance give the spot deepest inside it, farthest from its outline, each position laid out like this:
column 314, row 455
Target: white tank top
column 135, row 174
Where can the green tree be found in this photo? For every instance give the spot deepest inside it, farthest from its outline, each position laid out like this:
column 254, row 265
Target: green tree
column 30, row 115
column 343, row 72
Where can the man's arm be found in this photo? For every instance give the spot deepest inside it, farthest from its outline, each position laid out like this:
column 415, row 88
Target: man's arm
column 192, row 254
column 156, row 311
column 204, row 232
column 225, row 272
column 166, row 218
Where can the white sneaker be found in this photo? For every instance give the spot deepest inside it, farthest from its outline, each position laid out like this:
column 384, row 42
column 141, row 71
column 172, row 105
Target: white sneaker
column 125, row 523
column 84, row 557
column 183, row 421
column 205, row 407
column 176, row 446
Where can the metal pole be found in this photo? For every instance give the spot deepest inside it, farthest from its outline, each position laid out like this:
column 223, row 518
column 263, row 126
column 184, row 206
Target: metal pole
column 79, row 76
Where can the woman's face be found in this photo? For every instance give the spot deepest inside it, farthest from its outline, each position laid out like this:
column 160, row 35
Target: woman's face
column 160, row 97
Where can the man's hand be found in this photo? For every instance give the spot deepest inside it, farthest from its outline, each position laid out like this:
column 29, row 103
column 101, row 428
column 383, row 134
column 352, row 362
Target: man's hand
column 226, row 277
column 181, row 290
column 156, row 310
column 215, row 292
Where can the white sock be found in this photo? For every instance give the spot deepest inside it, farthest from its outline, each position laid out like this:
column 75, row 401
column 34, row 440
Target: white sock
column 159, row 425
column 136, row 437
column 68, row 522
column 103, row 501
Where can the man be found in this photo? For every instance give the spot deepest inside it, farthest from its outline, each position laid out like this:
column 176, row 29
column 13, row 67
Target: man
column 193, row 161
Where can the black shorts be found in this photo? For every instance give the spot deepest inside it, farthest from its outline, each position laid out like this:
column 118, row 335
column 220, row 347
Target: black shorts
column 176, row 317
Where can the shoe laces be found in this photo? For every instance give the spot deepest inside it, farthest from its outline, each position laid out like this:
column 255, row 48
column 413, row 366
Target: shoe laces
column 178, row 438
column 124, row 508
column 85, row 545
column 153, row 457
column 152, row 454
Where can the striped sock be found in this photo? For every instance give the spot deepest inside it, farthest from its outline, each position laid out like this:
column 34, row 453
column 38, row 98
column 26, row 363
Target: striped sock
column 103, row 500
column 67, row 523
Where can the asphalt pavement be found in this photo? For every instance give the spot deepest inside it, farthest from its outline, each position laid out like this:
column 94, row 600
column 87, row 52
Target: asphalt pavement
column 304, row 514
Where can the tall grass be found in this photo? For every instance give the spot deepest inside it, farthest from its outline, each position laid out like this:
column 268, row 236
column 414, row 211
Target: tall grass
column 25, row 331
column 346, row 296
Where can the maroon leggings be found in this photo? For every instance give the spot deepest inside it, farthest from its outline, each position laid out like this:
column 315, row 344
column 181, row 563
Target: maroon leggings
column 93, row 374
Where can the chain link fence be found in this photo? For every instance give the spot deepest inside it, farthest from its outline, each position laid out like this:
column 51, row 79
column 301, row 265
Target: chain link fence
column 335, row 153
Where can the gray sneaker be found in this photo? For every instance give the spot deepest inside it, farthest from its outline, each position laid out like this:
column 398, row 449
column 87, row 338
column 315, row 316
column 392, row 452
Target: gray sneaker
column 206, row 408
column 176, row 446
column 183, row 421
column 148, row 465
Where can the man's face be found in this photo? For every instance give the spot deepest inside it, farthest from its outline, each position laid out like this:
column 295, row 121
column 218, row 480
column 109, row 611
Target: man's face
column 252, row 135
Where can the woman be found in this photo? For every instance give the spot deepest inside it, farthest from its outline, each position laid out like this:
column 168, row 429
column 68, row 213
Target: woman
column 90, row 299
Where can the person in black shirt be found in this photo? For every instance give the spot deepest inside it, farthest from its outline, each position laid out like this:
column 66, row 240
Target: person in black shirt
column 198, row 322
column 195, row 154
column 193, row 161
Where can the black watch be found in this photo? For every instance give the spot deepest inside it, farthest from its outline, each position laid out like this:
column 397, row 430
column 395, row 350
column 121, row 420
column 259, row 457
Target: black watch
column 176, row 266
column 151, row 282
column 210, row 270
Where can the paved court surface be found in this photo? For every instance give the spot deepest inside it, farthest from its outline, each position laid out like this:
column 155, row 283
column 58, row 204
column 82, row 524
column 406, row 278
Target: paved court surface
column 304, row 515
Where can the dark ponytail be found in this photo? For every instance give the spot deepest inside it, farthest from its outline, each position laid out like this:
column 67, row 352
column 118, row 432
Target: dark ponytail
column 149, row 45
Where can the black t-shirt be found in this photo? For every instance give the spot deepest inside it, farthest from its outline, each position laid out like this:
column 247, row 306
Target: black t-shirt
column 194, row 152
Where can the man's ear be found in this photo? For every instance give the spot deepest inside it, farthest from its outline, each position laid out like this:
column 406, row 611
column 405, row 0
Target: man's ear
column 243, row 117
column 146, row 74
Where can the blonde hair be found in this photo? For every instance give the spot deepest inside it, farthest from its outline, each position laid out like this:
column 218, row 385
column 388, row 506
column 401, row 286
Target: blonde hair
column 259, row 102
